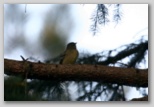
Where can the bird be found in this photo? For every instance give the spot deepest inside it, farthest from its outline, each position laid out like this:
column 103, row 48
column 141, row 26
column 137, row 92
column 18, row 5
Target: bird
column 70, row 55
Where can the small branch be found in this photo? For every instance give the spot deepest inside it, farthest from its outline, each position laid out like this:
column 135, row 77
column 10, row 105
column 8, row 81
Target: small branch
column 75, row 72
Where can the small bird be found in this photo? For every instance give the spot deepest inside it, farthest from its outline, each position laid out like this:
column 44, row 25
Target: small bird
column 70, row 54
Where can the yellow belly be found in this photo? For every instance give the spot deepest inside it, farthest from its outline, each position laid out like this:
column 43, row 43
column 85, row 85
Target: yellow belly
column 71, row 57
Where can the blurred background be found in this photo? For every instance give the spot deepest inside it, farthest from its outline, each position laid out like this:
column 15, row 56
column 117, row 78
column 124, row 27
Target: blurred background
column 41, row 32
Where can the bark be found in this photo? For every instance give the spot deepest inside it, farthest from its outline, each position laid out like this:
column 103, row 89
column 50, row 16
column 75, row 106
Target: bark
column 76, row 72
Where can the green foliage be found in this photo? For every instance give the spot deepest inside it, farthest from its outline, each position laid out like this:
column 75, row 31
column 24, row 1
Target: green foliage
column 15, row 89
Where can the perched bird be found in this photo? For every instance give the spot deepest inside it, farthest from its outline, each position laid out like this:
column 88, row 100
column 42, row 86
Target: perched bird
column 70, row 54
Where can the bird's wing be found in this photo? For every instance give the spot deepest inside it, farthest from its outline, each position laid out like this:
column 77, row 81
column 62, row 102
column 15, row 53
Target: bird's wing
column 62, row 57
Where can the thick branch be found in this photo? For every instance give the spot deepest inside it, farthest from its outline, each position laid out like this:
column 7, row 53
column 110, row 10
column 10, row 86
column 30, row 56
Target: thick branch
column 99, row 73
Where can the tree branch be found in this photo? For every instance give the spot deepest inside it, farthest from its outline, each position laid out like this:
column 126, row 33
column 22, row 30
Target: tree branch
column 131, row 49
column 140, row 99
column 98, row 73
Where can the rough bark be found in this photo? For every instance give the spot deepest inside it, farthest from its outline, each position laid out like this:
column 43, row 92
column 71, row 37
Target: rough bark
column 75, row 72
